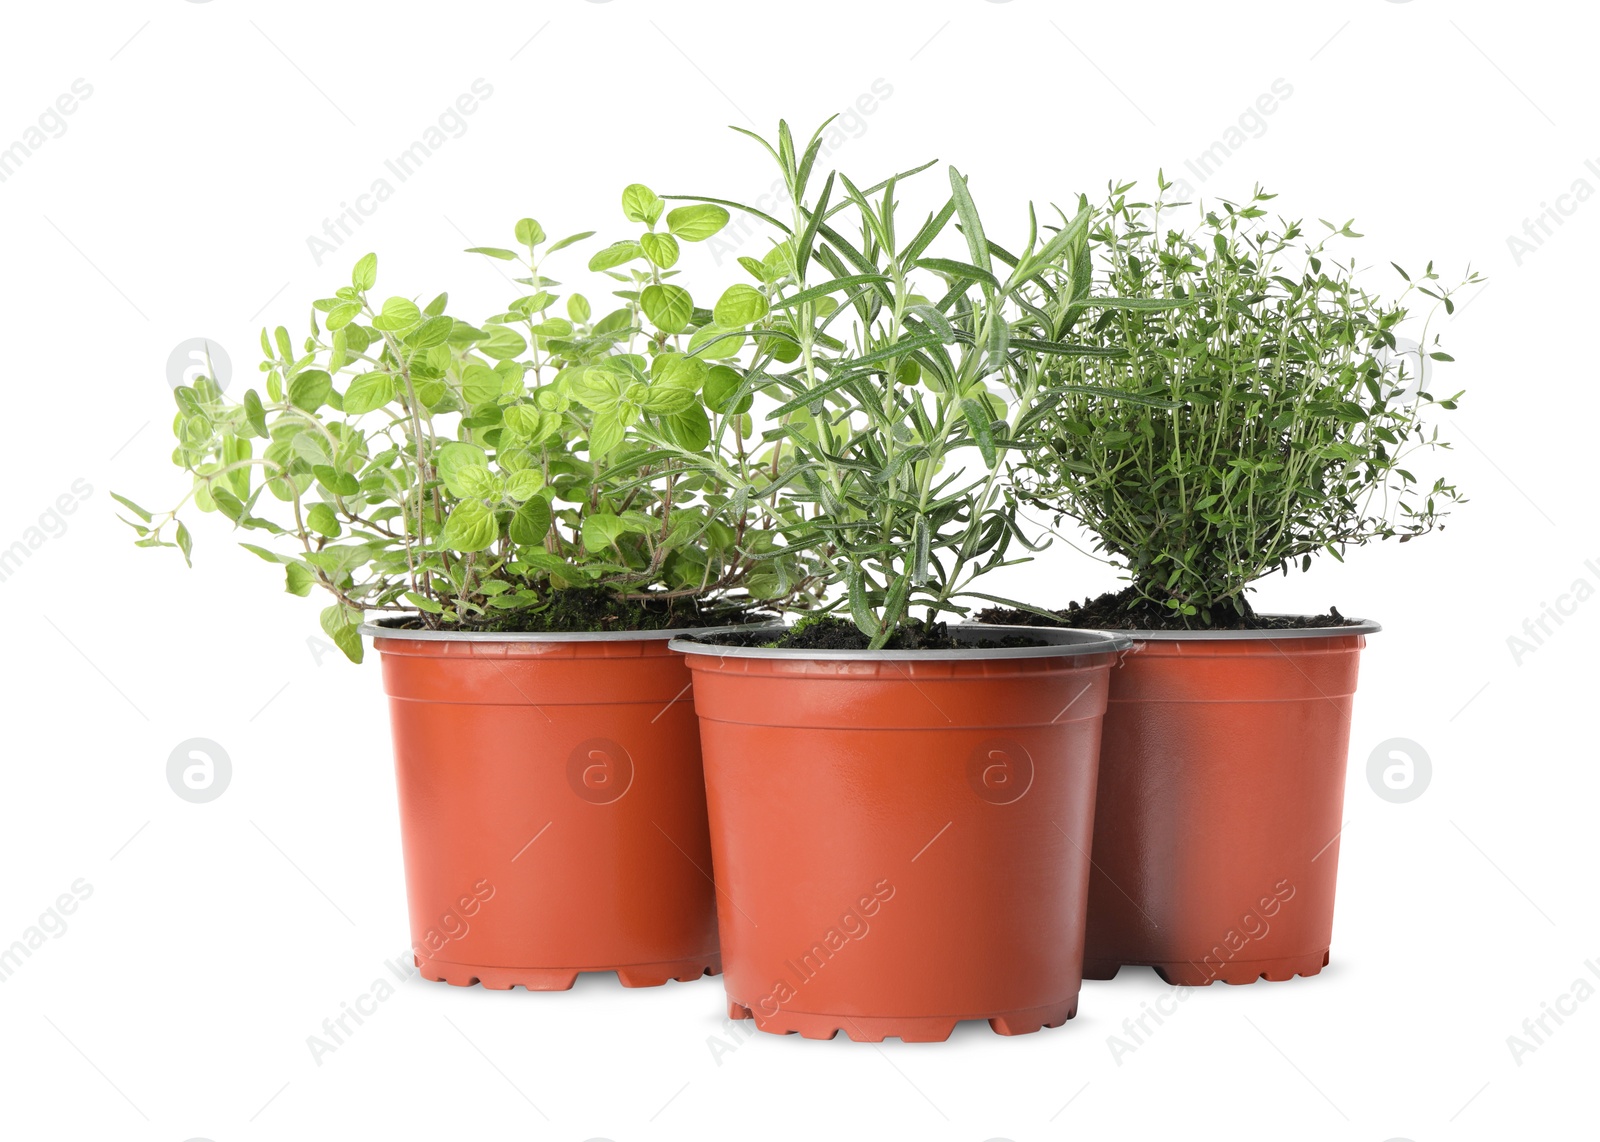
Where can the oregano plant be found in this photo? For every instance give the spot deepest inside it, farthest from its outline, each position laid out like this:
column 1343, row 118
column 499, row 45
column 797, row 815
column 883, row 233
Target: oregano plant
column 482, row 475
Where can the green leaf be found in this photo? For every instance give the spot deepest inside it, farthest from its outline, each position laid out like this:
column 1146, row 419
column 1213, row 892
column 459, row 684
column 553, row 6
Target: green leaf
column 398, row 315
column 1138, row 304
column 348, row 639
column 494, row 252
column 336, row 482
column 697, row 223
column 462, row 467
column 680, row 370
column 690, row 429
column 980, row 419
column 525, row 422
column 423, row 603
column 524, row 484
column 308, row 446
column 616, row 254
column 604, row 435
column 597, row 388
column 339, row 354
column 481, row 385
column 661, row 249
column 667, row 400
column 471, row 527
column 971, row 227
column 310, row 390
column 618, row 323
column 740, row 305
column 814, row 394
column 503, row 344
column 601, row 530
column 838, row 285
column 434, row 331
column 805, row 243
column 365, row 274
column 131, row 506
column 860, row 608
column 720, row 342
column 720, row 385
column 337, row 625
column 999, row 341
column 961, row 271
column 464, row 336
column 367, row 392
column 1069, row 349
column 901, row 348
column 668, row 307
column 480, row 484
column 529, row 232
column 255, row 413
column 1069, row 237
column 236, row 452
column 563, row 243
column 299, row 579
column 921, row 551
column 640, row 204
column 342, row 315
column 531, row 523
column 779, row 260
column 430, row 392
column 321, row 519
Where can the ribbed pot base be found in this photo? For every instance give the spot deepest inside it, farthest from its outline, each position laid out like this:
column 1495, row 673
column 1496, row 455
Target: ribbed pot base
column 562, row 979
column 908, row 1029
column 1234, row 971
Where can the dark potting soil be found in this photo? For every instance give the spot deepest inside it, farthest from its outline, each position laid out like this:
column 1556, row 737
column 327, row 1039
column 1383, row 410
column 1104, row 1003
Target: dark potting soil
column 1126, row 610
column 827, row 632
column 580, row 610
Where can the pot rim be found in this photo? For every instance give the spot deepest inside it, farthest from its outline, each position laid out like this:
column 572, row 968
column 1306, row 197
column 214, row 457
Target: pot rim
column 1065, row 642
column 381, row 629
column 1351, row 626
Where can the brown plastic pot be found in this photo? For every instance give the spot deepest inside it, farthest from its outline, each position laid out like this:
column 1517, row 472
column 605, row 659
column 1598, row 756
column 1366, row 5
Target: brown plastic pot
column 1216, row 844
column 552, row 807
column 901, row 838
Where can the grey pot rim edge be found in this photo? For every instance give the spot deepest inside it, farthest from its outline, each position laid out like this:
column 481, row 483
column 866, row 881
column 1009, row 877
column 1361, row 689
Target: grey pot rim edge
column 379, row 630
column 1067, row 642
column 1119, row 640
column 1349, row 627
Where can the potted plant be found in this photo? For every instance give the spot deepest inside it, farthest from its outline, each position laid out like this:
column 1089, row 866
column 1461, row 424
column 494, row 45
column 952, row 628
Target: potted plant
column 524, row 509
column 1268, row 415
column 900, row 808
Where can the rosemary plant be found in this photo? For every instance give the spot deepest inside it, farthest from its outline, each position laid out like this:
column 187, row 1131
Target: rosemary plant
column 902, row 377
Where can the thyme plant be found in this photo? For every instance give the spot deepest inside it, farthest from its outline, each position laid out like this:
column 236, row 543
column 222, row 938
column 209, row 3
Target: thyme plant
column 1267, row 417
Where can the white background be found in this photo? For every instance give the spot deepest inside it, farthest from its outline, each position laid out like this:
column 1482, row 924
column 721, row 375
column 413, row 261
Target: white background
column 177, row 203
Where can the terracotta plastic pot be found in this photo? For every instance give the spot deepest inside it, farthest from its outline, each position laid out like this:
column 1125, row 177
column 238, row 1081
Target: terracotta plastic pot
column 1216, row 842
column 552, row 807
column 901, row 838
